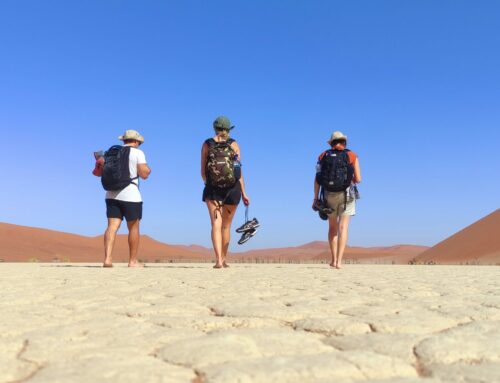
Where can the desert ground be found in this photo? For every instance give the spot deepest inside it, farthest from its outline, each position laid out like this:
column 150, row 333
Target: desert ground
column 249, row 323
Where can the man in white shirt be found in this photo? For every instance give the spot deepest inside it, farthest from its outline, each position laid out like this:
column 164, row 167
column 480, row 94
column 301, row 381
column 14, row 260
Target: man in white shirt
column 127, row 201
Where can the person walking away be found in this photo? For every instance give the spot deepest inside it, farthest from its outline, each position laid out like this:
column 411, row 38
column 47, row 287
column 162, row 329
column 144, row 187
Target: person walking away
column 224, row 185
column 337, row 173
column 120, row 170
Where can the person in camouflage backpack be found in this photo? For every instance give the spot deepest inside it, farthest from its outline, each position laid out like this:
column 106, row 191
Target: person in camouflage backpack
column 224, row 185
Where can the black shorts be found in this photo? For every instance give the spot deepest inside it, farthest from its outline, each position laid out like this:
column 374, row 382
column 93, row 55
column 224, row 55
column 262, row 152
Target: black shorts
column 118, row 209
column 229, row 196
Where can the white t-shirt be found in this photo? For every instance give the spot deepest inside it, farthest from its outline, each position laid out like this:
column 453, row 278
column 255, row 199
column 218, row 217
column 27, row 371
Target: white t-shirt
column 131, row 193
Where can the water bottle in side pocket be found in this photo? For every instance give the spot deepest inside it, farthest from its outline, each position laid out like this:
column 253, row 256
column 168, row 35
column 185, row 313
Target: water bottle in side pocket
column 237, row 167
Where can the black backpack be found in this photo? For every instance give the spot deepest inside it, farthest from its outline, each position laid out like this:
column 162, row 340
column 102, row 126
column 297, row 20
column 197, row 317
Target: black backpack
column 116, row 170
column 220, row 169
column 336, row 172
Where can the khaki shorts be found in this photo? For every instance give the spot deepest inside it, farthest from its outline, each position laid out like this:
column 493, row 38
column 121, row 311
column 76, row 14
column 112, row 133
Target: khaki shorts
column 335, row 201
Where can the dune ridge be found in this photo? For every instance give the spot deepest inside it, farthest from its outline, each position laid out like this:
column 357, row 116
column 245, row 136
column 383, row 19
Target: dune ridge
column 24, row 244
column 478, row 243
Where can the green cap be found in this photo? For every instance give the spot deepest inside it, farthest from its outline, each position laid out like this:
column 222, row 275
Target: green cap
column 222, row 122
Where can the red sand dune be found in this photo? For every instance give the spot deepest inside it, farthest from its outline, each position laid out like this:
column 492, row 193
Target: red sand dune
column 478, row 243
column 22, row 244
column 318, row 251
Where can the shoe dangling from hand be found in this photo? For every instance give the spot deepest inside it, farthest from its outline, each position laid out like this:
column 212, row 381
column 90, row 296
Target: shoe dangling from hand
column 249, row 228
column 246, row 236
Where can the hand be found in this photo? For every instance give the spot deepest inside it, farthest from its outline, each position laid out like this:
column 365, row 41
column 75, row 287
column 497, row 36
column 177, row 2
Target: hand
column 246, row 200
column 99, row 164
column 314, row 204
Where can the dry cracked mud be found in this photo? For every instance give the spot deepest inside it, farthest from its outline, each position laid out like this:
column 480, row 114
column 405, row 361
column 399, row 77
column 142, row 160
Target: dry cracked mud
column 249, row 323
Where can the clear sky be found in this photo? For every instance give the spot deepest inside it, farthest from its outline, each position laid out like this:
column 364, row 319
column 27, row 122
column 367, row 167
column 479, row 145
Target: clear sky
column 414, row 84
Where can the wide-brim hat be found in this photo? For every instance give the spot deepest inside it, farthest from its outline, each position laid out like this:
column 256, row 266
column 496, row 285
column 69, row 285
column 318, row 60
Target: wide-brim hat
column 131, row 135
column 338, row 135
column 222, row 122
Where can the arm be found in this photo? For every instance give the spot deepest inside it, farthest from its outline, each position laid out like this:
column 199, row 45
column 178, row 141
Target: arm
column 316, row 193
column 316, row 189
column 357, row 172
column 204, row 153
column 143, row 171
column 316, row 184
column 244, row 194
column 98, row 167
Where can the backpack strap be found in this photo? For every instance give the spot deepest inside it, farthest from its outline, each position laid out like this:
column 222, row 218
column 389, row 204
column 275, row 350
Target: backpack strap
column 133, row 179
column 322, row 157
column 211, row 142
column 322, row 193
column 345, row 153
column 220, row 204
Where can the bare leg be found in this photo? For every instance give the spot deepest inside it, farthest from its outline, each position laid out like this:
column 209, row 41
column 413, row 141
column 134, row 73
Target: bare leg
column 333, row 227
column 228, row 213
column 134, row 237
column 109, row 240
column 342, row 242
column 216, row 220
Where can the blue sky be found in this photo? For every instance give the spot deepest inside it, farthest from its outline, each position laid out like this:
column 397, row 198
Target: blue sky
column 414, row 84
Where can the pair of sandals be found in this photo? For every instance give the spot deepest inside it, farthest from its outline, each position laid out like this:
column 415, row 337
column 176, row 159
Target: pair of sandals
column 248, row 229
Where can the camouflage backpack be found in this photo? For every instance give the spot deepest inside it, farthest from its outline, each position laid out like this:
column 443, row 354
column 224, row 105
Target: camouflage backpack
column 220, row 164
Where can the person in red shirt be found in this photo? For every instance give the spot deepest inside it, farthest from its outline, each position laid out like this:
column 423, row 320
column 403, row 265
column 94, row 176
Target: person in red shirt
column 341, row 203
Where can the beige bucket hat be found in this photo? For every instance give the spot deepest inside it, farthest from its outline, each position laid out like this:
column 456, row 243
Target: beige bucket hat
column 338, row 135
column 131, row 135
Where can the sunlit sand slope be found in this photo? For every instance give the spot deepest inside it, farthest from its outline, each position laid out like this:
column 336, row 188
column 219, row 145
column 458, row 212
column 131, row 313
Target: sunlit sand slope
column 478, row 243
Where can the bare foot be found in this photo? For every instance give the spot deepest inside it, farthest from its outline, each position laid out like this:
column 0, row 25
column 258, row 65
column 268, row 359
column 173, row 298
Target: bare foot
column 107, row 265
column 225, row 264
column 338, row 267
column 218, row 266
column 136, row 264
column 332, row 265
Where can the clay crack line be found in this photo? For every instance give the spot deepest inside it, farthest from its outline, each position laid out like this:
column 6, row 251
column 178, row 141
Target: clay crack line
column 419, row 366
column 215, row 313
column 199, row 376
column 20, row 357
column 358, row 367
